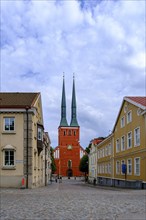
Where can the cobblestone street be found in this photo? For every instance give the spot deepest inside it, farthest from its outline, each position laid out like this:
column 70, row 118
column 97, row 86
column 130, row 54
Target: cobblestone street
column 73, row 200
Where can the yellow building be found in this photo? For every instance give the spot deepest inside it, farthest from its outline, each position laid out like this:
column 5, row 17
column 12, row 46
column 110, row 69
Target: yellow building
column 121, row 157
column 21, row 140
column 130, row 143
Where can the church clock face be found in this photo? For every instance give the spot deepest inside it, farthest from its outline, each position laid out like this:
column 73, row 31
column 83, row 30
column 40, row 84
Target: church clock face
column 69, row 147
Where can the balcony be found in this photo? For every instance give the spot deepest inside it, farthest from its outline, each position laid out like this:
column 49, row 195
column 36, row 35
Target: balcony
column 39, row 146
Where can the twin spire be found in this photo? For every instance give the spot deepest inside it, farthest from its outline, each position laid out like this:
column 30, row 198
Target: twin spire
column 63, row 122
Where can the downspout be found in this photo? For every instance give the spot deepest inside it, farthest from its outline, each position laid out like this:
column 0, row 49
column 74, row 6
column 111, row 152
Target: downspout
column 45, row 167
column 27, row 107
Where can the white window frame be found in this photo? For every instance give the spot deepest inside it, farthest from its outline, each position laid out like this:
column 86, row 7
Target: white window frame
column 106, row 151
column 109, row 149
column 9, row 158
column 103, row 152
column 117, row 167
column 137, row 137
column 135, row 166
column 109, row 168
column 9, row 124
column 98, row 156
column 118, row 145
column 122, row 121
column 128, row 147
column 9, row 148
column 123, row 143
column 129, row 117
column 128, row 166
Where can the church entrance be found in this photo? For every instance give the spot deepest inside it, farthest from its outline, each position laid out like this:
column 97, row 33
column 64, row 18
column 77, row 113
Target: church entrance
column 69, row 172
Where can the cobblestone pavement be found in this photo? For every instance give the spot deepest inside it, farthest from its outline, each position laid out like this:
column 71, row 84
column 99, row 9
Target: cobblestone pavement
column 73, row 200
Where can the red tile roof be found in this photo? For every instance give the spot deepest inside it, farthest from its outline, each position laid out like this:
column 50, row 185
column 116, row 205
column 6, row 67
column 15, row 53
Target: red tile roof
column 141, row 100
column 17, row 99
column 97, row 140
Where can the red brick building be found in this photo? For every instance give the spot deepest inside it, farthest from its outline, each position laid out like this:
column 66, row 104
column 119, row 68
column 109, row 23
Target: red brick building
column 68, row 152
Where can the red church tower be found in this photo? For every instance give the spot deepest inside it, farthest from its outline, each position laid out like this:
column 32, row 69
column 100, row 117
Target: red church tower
column 68, row 152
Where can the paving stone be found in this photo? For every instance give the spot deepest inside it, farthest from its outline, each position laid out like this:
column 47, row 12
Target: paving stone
column 73, row 200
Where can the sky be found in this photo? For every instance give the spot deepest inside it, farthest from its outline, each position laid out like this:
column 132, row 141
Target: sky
column 101, row 41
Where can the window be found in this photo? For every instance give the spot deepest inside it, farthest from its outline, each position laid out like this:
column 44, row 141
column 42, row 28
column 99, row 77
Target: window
column 137, row 166
column 129, row 140
column 129, row 117
column 40, row 134
column 129, row 166
column 106, row 150
column 117, row 167
column 137, row 136
column 9, row 124
column 122, row 143
column 109, row 168
column 74, row 133
column 122, row 122
column 69, row 164
column 102, row 168
column 103, row 152
column 64, row 133
column 109, row 149
column 69, row 132
column 117, row 145
column 9, row 157
column 106, row 168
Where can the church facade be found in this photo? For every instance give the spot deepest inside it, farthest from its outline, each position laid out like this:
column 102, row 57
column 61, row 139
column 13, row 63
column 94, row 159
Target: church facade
column 68, row 153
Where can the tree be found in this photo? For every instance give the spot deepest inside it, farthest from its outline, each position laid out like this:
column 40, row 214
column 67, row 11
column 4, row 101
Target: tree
column 83, row 167
column 53, row 165
column 88, row 148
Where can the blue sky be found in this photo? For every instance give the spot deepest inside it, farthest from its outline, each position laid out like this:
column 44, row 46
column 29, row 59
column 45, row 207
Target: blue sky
column 102, row 42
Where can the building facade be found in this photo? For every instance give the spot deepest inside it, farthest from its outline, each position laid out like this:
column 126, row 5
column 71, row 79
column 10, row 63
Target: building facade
column 121, row 157
column 21, row 140
column 92, row 174
column 130, row 143
column 68, row 153
column 105, row 161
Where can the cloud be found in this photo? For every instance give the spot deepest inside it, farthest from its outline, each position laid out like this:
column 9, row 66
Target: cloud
column 103, row 42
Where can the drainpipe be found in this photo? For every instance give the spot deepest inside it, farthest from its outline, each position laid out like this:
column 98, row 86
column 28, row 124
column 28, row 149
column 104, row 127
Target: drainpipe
column 45, row 166
column 27, row 107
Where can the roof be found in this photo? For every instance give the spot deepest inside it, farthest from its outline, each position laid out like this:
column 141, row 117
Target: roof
column 17, row 99
column 139, row 101
column 97, row 140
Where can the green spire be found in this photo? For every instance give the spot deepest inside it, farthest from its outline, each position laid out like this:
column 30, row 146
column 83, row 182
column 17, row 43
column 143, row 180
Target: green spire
column 63, row 122
column 74, row 122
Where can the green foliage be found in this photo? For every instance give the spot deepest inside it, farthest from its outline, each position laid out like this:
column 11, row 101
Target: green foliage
column 83, row 167
column 53, row 165
column 88, row 148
